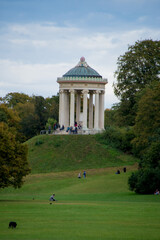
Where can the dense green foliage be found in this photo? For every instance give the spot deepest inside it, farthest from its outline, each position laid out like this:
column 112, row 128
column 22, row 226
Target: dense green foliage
column 120, row 138
column 13, row 159
column 13, row 155
column 147, row 141
column 110, row 118
column 138, row 88
column 12, row 99
column 53, row 153
column 50, row 124
column 98, row 207
column 145, row 181
column 33, row 112
column 147, row 124
column 9, row 117
column 137, row 68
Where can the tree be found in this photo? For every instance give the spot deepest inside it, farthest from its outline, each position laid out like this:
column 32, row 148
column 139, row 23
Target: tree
column 146, row 144
column 11, row 99
column 145, row 181
column 109, row 117
column 13, row 159
column 32, row 113
column 147, row 123
column 10, row 117
column 53, row 107
column 41, row 112
column 138, row 67
column 151, row 158
column 50, row 123
column 28, row 119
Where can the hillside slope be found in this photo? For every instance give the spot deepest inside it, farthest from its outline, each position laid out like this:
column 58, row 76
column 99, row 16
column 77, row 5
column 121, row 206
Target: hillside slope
column 52, row 153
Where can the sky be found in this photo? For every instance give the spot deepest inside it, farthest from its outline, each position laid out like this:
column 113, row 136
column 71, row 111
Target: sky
column 41, row 40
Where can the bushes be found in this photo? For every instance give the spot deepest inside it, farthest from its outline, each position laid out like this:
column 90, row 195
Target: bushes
column 118, row 137
column 145, row 181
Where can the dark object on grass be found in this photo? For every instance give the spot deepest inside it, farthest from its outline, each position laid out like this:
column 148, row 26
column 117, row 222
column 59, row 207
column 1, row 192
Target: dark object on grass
column 12, row 225
column 124, row 169
column 118, row 172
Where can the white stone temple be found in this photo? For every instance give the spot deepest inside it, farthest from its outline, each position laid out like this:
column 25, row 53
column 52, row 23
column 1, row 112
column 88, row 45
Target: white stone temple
column 81, row 98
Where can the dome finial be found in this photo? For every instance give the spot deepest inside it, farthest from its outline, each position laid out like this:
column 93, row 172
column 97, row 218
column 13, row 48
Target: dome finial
column 82, row 59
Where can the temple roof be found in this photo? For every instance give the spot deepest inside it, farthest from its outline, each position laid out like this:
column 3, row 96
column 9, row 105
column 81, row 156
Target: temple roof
column 82, row 69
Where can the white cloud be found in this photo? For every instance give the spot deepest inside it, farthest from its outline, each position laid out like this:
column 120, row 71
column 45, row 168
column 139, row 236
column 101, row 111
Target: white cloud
column 34, row 55
column 38, row 79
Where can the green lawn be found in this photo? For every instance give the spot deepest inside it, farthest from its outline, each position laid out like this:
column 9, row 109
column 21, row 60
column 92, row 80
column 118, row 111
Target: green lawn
column 48, row 153
column 99, row 207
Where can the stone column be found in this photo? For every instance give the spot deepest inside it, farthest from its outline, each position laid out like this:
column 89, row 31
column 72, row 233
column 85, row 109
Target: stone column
column 60, row 103
column 72, row 101
column 85, row 92
column 96, row 111
column 101, row 110
column 61, row 107
column 66, row 109
column 91, row 110
column 78, row 105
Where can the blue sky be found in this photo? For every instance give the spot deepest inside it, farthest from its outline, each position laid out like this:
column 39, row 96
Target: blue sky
column 41, row 40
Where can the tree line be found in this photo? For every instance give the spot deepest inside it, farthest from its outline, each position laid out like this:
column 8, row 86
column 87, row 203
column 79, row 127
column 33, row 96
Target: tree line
column 31, row 113
column 133, row 125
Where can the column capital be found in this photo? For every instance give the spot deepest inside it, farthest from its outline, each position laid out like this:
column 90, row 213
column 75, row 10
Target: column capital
column 72, row 91
column 65, row 90
column 85, row 91
column 97, row 91
column 61, row 91
column 102, row 92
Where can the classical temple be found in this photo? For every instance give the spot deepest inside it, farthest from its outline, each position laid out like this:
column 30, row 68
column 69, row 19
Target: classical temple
column 75, row 87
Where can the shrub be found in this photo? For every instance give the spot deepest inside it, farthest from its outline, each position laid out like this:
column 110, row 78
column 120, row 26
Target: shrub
column 145, row 181
column 152, row 156
column 127, row 137
column 118, row 137
column 50, row 123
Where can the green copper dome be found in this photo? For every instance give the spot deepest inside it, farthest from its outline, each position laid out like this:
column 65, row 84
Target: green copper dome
column 82, row 70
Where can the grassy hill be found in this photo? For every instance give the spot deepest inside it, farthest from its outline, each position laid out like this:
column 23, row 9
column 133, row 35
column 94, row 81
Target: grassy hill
column 53, row 153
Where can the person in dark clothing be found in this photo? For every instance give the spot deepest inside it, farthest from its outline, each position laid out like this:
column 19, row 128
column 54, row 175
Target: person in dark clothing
column 124, row 169
column 52, row 197
column 84, row 174
column 118, row 171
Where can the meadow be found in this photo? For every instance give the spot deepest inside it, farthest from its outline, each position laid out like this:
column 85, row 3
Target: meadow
column 99, row 207
column 54, row 153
